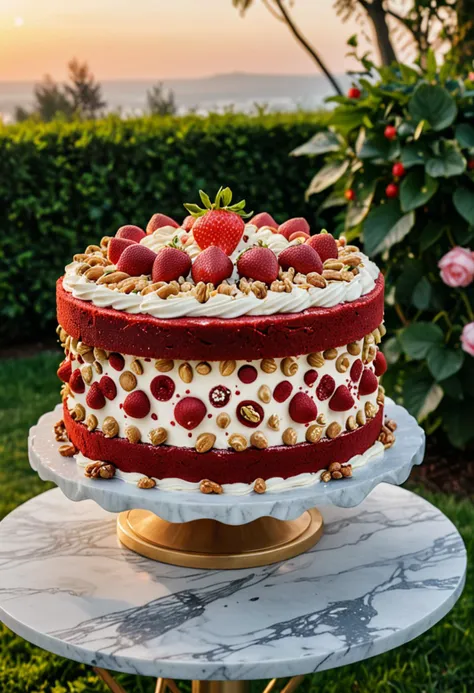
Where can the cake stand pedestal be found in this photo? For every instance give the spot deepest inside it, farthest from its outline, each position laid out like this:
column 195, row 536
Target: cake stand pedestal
column 227, row 531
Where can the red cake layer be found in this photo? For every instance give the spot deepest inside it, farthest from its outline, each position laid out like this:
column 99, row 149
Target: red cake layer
column 215, row 339
column 221, row 466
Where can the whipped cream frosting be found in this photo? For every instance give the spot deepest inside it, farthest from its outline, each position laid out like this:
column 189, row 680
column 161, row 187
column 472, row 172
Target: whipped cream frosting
column 274, row 485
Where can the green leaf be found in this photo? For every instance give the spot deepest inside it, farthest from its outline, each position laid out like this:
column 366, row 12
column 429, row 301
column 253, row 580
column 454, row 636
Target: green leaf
column 449, row 162
column 327, row 176
column 444, row 362
column 430, row 234
column 418, row 338
column 195, row 210
column 453, row 387
column 379, row 147
column 434, row 104
column 463, row 200
column 413, row 154
column 458, row 424
column 422, row 294
column 226, row 197
column 416, row 189
column 385, row 227
column 392, row 350
column 431, row 67
column 359, row 209
column 205, row 199
column 321, row 143
column 421, row 394
column 464, row 134
column 346, row 120
column 352, row 41
column 335, row 199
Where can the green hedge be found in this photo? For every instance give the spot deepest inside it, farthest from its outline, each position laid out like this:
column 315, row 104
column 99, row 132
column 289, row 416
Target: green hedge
column 63, row 186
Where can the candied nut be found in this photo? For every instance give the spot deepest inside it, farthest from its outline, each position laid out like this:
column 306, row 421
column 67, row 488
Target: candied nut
column 158, row 435
column 352, row 260
column 110, row 427
column 207, row 486
column 370, row 354
column 264, row 394
column 224, row 288
column 164, row 365
column 351, row 249
column 334, row 467
column 97, row 367
column 94, row 273
column 249, row 413
column 274, row 422
column 88, row 356
column 377, row 335
column 316, row 279
column 146, row 482
column 171, row 289
column 60, row 431
column 133, row 434
column 66, row 392
column 336, row 474
column 314, row 433
column 289, row 436
column 185, row 372
column 244, row 286
column 86, row 372
column 100, row 354
column 330, row 354
column 91, row 422
column 321, row 419
column 105, row 242
column 351, row 423
column 391, row 424
column 332, row 264
column 268, row 365
column 325, row 476
column 287, row 285
column 238, row 442
column 151, row 288
column 342, row 363
column 278, row 286
column 112, row 277
column 67, row 450
column 202, row 292
column 353, row 348
column 259, row 289
column 186, row 286
column 80, row 257
column 78, row 413
column 369, row 339
column 380, row 396
column 259, row 440
column 382, row 329
column 346, row 470
column 316, row 359
column 289, row 274
column 370, row 410
column 92, row 249
column 127, row 381
column 82, row 348
column 223, row 420
column 260, row 486
column 204, row 442
column 332, row 275
column 289, row 366
column 227, row 367
column 99, row 470
column 333, row 430
column 98, row 261
column 203, row 368
column 360, row 417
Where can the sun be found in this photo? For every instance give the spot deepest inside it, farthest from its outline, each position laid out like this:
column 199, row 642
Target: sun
column 18, row 22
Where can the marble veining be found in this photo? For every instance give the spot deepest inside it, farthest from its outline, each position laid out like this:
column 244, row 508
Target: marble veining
column 383, row 573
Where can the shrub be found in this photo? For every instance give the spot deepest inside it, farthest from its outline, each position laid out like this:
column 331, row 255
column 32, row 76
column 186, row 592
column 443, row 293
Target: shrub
column 65, row 185
column 399, row 162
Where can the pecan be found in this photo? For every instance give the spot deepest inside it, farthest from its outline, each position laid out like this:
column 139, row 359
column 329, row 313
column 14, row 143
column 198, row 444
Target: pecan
column 259, row 440
column 185, row 372
column 97, row 367
column 158, row 436
column 238, row 442
column 370, row 410
column 274, row 422
column 137, row 367
column 203, row 368
column 186, row 287
column 146, row 482
column 164, row 365
column 289, row 366
column 78, row 413
column 225, row 289
column 67, row 450
column 260, row 486
column 223, row 420
column 60, row 431
column 204, row 442
column 264, row 394
column 351, row 424
column 377, row 335
column 346, row 470
column 268, row 365
column 244, row 286
column 325, row 476
column 342, row 363
column 82, row 348
column 289, row 436
column 110, row 427
column 100, row 354
column 259, row 289
column 278, row 286
column 127, row 381
column 333, row 430
column 227, row 367
column 360, row 417
column 316, row 359
column 202, row 292
column 316, row 279
column 99, row 470
column 249, row 413
column 207, row 486
column 86, row 372
column 91, row 422
column 353, row 348
column 330, row 354
column 133, row 434
column 391, row 424
column 314, row 433
column 88, row 356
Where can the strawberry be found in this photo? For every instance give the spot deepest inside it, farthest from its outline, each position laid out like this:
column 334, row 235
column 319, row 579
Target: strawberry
column 258, row 263
column 219, row 223
column 302, row 408
column 380, row 364
column 299, row 234
column 158, row 221
column 247, row 374
column 282, row 391
column 356, row 370
column 303, row 258
column 188, row 222
column 116, row 247
column 76, row 382
column 326, row 387
column 108, row 387
column 212, row 266
column 325, row 245
column 341, row 400
column 368, row 382
column 162, row 388
column 95, row 397
column 189, row 412
column 136, row 260
column 291, row 225
column 117, row 361
column 131, row 233
column 170, row 263
column 263, row 219
column 137, row 405
column 64, row 371
column 310, row 377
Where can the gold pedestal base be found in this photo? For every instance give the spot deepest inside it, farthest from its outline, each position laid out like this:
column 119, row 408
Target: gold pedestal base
column 211, row 544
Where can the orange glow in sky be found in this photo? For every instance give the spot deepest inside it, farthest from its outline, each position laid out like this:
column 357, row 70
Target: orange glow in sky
column 163, row 38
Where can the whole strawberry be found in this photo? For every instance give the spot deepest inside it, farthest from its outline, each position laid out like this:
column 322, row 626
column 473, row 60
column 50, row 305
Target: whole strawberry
column 188, row 222
column 158, row 221
column 131, row 233
column 258, row 263
column 303, row 258
column 136, row 260
column 291, row 225
column 219, row 223
column 263, row 219
column 212, row 266
column 116, row 247
column 325, row 245
column 170, row 263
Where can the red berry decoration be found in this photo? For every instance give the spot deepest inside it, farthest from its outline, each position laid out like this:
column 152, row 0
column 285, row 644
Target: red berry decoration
column 136, row 260
column 303, row 258
column 263, row 219
column 310, row 377
column 354, row 93
column 325, row 245
column 390, row 132
column 282, row 391
column 380, row 364
column 290, row 226
column 108, row 387
column 131, row 233
column 76, row 382
column 64, row 371
column 470, row 164
column 341, row 400
column 219, row 396
column 95, row 397
column 349, row 194
column 158, row 221
column 117, row 361
column 247, row 411
column 302, row 408
column 247, row 374
column 212, row 265
column 137, row 405
column 325, row 388
column 170, row 263
column 219, row 223
column 398, row 169
column 356, row 370
column 116, row 247
column 188, row 222
column 391, row 190
column 189, row 412
column 259, row 263
column 162, row 388
column 368, row 382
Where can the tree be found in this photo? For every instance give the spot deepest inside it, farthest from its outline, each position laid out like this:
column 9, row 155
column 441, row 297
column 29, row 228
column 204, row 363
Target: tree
column 51, row 101
column 84, row 93
column 159, row 103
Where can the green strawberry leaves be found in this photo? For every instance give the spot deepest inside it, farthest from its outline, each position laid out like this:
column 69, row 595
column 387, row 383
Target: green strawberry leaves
column 221, row 201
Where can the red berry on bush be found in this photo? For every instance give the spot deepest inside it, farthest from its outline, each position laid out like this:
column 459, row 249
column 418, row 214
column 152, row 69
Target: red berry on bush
column 354, row 93
column 390, row 132
column 349, row 194
column 391, row 190
column 398, row 169
column 470, row 164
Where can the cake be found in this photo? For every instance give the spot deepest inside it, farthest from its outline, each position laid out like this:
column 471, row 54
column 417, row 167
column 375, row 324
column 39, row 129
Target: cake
column 222, row 355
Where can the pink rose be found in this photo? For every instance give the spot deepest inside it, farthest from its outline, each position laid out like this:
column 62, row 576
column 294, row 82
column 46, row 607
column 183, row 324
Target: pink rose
column 467, row 338
column 457, row 267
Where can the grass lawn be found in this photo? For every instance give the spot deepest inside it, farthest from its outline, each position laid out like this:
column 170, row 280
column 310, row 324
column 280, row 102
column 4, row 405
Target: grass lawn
column 441, row 661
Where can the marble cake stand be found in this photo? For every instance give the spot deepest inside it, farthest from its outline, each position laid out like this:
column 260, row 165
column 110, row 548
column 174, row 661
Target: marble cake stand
column 196, row 530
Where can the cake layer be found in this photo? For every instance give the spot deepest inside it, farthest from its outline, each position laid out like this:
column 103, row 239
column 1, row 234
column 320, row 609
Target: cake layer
column 213, row 339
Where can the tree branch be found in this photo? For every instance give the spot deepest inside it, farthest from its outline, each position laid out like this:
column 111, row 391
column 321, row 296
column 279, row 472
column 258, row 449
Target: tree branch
column 272, row 11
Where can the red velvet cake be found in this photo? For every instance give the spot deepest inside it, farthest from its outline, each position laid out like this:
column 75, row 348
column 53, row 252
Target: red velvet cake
column 222, row 356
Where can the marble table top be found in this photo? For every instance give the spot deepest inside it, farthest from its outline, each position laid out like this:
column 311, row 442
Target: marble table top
column 383, row 573
column 116, row 495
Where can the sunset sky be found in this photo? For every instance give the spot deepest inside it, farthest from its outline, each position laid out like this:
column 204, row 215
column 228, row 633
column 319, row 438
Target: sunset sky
column 162, row 38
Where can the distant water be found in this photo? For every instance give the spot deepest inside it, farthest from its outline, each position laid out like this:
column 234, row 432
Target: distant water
column 240, row 91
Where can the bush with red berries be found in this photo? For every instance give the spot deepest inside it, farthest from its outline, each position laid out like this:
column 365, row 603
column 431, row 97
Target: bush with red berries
column 399, row 164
